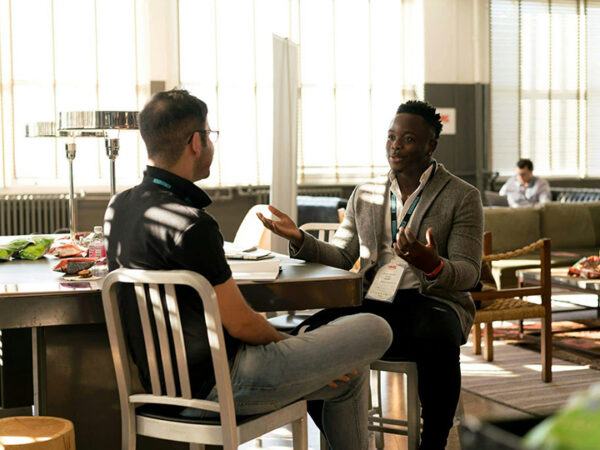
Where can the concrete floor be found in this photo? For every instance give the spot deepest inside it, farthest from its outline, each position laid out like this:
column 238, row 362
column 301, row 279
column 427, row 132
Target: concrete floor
column 393, row 388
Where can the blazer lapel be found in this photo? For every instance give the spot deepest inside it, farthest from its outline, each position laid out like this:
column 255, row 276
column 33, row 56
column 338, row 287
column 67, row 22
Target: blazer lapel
column 430, row 192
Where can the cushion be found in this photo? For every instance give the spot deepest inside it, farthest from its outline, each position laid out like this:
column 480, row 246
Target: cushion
column 571, row 225
column 512, row 228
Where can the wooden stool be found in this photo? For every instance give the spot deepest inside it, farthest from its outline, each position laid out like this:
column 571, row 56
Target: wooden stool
column 36, row 433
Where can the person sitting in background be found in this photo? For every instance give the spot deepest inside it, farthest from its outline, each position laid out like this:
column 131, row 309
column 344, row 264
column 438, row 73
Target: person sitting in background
column 161, row 224
column 524, row 189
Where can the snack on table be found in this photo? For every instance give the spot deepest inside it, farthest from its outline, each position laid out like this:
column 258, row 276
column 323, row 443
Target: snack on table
column 85, row 273
column 587, row 267
column 13, row 247
column 37, row 248
column 67, row 251
column 74, row 265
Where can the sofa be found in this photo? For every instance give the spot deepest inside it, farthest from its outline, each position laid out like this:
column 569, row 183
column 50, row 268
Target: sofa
column 574, row 229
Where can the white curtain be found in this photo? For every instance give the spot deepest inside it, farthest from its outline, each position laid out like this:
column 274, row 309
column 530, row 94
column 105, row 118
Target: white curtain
column 285, row 132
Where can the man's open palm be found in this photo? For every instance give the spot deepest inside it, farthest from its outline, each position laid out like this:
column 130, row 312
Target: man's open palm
column 284, row 227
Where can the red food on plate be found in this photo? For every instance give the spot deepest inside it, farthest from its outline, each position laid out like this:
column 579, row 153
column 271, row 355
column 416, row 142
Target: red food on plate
column 588, row 267
column 74, row 265
column 67, row 251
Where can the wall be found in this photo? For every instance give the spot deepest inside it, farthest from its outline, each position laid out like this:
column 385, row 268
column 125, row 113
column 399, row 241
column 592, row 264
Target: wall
column 456, row 72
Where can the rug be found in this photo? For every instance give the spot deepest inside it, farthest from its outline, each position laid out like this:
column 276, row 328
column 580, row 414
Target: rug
column 576, row 341
column 514, row 379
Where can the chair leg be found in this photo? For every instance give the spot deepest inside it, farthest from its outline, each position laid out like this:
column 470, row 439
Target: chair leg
column 546, row 345
column 128, row 433
column 413, row 410
column 488, row 349
column 299, row 434
column 379, row 442
column 323, row 442
column 521, row 329
column 477, row 339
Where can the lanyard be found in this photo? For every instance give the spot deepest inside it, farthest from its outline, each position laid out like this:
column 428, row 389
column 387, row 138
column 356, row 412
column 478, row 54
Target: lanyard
column 172, row 189
column 411, row 209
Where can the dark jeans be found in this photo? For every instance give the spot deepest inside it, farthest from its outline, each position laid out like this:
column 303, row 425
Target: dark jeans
column 425, row 331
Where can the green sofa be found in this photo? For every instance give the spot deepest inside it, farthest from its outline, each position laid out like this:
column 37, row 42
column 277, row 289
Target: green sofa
column 573, row 227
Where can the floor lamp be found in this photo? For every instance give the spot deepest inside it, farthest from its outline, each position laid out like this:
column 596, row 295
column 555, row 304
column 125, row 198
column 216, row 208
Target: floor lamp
column 86, row 124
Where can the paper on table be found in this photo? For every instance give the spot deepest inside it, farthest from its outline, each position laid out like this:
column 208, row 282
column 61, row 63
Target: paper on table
column 234, row 252
column 255, row 270
column 230, row 247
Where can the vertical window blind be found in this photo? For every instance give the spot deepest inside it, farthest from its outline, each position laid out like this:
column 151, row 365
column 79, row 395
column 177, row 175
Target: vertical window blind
column 545, row 101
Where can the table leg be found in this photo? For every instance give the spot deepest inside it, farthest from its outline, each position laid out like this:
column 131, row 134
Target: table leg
column 39, row 371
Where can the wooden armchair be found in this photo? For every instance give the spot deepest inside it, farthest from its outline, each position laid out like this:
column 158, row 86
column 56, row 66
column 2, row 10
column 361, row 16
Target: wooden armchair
column 508, row 304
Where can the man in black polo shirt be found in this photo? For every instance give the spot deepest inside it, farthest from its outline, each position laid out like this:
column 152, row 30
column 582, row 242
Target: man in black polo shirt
column 161, row 224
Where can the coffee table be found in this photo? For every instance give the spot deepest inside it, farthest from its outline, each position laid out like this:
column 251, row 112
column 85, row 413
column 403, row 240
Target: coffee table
column 559, row 278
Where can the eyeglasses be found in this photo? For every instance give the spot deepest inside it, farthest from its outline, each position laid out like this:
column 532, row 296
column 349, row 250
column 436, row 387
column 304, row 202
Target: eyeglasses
column 213, row 135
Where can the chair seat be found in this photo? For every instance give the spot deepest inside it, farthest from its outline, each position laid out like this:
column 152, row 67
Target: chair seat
column 174, row 413
column 508, row 309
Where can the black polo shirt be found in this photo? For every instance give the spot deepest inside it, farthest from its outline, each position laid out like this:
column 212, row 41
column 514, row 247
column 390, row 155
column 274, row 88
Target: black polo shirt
column 161, row 225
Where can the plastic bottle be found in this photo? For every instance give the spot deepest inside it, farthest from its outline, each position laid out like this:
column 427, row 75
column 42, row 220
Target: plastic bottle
column 96, row 249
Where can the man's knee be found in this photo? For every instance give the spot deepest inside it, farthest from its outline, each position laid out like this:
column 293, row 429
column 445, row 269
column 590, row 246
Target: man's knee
column 368, row 328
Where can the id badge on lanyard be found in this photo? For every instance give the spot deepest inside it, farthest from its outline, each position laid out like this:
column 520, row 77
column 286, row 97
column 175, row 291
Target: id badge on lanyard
column 386, row 282
column 388, row 277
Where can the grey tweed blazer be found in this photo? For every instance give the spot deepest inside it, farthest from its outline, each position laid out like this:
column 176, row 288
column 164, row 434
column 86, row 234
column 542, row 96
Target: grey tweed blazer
column 449, row 205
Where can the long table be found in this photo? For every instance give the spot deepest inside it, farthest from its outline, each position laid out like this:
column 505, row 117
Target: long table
column 73, row 370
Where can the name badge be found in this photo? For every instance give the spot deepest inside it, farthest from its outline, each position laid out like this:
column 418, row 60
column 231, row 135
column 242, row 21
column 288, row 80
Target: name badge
column 386, row 281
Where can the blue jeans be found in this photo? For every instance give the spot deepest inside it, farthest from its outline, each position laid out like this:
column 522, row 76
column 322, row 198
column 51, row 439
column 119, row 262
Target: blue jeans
column 267, row 377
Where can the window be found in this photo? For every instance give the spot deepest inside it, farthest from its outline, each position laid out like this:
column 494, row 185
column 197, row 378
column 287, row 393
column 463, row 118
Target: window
column 545, row 101
column 353, row 77
column 66, row 57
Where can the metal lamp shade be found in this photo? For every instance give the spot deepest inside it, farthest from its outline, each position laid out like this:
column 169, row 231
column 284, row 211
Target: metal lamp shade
column 98, row 120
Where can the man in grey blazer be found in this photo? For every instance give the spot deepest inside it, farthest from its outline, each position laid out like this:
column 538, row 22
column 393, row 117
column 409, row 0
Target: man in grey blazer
column 418, row 234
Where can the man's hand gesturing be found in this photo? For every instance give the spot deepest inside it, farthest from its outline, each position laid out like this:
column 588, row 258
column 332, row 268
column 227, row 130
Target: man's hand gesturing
column 423, row 256
column 284, row 227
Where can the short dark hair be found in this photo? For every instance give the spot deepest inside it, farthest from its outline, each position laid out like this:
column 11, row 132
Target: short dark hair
column 426, row 111
column 168, row 120
column 524, row 162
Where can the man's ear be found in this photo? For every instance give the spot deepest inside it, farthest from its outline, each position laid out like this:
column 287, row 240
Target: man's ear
column 196, row 145
column 432, row 145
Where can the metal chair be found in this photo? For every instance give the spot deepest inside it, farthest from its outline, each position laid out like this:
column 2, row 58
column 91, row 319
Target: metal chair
column 410, row 427
column 155, row 291
column 287, row 322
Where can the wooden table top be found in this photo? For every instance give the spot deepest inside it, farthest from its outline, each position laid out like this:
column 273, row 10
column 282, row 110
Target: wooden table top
column 31, row 294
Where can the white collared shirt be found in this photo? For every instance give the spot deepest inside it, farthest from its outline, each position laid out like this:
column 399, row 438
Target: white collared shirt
column 537, row 191
column 385, row 252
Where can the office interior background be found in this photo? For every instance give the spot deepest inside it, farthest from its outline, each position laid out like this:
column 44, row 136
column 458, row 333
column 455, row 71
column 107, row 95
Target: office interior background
column 521, row 76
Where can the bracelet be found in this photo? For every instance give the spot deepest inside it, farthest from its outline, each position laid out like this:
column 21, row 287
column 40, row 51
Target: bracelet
column 434, row 273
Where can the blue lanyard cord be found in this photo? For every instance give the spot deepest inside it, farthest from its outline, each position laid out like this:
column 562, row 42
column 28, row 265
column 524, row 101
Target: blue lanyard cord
column 411, row 209
column 172, row 189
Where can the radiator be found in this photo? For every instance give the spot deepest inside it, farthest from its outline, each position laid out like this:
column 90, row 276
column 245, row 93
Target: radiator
column 262, row 193
column 34, row 214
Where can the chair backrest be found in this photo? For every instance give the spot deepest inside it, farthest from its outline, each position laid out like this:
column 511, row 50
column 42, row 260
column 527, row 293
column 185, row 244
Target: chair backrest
column 325, row 231
column 159, row 314
column 251, row 232
column 544, row 289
